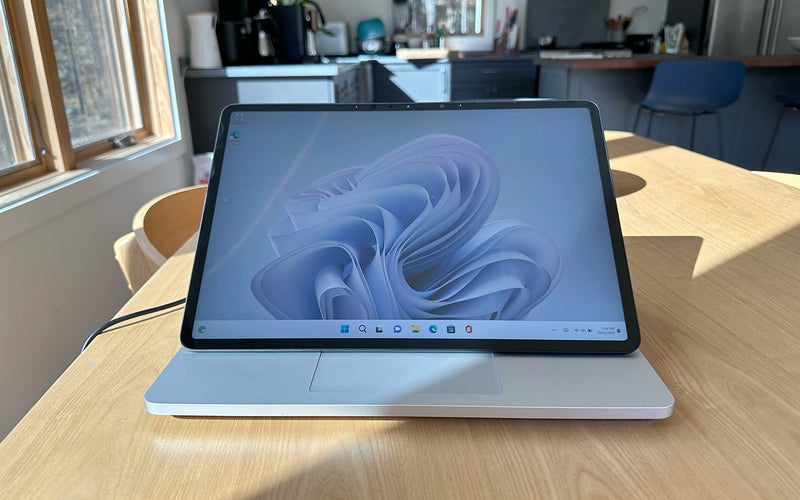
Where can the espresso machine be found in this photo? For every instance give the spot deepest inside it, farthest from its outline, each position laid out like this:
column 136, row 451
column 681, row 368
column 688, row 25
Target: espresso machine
column 246, row 33
column 257, row 32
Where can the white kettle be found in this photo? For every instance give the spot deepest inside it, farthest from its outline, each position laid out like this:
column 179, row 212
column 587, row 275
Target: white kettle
column 203, row 49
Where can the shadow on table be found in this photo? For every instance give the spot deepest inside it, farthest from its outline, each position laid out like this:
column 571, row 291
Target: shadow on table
column 566, row 440
column 630, row 145
column 626, row 183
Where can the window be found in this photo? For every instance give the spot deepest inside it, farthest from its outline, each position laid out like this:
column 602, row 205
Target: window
column 465, row 24
column 16, row 147
column 454, row 17
column 74, row 76
column 94, row 60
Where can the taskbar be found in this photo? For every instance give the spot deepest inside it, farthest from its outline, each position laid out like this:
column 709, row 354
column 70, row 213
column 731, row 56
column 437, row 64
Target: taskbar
column 460, row 329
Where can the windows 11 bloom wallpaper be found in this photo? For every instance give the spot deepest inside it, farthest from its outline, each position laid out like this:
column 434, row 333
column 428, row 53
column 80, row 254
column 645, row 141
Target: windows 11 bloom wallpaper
column 408, row 235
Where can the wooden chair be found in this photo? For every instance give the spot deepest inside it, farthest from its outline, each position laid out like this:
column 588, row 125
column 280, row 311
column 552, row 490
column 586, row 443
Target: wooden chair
column 160, row 227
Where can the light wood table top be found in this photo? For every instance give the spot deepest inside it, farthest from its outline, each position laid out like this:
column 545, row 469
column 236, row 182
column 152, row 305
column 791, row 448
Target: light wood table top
column 714, row 253
column 788, row 178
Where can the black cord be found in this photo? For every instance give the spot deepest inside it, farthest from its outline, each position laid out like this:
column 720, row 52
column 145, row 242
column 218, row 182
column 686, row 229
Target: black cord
column 101, row 329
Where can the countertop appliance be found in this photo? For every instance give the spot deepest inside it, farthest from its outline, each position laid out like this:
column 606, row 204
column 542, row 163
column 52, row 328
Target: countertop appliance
column 297, row 24
column 253, row 32
column 245, row 32
column 372, row 37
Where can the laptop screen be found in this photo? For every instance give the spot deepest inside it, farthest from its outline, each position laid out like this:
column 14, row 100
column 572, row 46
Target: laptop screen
column 487, row 226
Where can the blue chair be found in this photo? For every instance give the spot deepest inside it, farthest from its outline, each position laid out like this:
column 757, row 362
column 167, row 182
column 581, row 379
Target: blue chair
column 693, row 87
column 789, row 103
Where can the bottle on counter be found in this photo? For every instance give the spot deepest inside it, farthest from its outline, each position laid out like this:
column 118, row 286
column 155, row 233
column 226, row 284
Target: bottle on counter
column 659, row 45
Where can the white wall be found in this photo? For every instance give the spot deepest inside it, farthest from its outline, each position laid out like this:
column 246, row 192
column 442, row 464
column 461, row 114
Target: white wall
column 58, row 276
column 647, row 23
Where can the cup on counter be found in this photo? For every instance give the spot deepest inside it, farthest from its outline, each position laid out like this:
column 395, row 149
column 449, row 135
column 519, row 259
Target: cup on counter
column 617, row 28
column 616, row 35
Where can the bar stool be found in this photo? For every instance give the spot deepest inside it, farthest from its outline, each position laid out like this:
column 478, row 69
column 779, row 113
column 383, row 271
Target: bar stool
column 693, row 88
column 789, row 102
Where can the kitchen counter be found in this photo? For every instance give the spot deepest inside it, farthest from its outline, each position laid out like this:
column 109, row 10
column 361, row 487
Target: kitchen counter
column 343, row 64
column 452, row 56
column 380, row 58
column 617, row 85
column 649, row 61
column 273, row 71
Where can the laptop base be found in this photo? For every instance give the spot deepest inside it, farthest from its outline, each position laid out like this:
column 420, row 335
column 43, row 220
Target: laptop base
column 409, row 384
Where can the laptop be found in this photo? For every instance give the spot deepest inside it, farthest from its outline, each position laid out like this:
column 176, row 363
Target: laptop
column 401, row 260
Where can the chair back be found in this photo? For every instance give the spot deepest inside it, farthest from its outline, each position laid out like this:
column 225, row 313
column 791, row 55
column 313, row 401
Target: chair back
column 165, row 223
column 160, row 227
column 695, row 86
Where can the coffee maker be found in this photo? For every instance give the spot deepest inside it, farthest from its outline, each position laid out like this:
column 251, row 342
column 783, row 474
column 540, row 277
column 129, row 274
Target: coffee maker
column 257, row 32
column 246, row 33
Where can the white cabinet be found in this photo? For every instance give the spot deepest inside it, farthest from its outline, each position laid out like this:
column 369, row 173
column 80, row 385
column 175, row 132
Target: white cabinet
column 297, row 84
column 406, row 81
column 209, row 91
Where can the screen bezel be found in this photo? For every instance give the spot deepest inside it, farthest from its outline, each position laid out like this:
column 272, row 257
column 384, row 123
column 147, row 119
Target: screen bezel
column 625, row 346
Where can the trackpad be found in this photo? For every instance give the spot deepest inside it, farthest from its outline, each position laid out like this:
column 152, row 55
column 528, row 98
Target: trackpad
column 407, row 372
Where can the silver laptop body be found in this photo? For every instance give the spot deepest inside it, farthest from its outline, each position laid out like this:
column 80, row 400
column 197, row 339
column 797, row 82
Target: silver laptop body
column 431, row 260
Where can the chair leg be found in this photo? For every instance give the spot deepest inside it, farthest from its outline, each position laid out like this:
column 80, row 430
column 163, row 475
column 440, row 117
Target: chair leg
column 772, row 139
column 719, row 137
column 636, row 121
column 650, row 122
column 691, row 138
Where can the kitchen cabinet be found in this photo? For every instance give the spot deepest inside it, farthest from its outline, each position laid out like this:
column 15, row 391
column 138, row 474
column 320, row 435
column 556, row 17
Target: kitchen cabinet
column 453, row 79
column 209, row 91
column 398, row 80
column 487, row 78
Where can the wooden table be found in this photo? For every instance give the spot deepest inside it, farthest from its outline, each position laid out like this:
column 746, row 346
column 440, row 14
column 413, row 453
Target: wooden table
column 715, row 260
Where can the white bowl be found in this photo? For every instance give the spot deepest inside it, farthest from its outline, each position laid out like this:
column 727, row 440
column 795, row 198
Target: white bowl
column 794, row 41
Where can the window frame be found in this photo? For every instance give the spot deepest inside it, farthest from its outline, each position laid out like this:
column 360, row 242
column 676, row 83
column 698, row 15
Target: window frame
column 43, row 101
